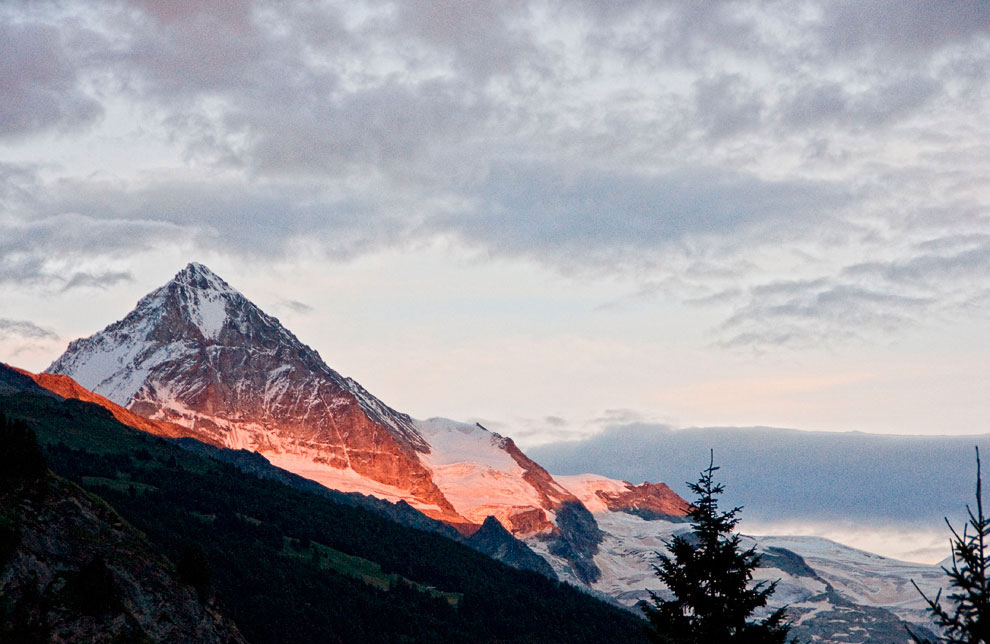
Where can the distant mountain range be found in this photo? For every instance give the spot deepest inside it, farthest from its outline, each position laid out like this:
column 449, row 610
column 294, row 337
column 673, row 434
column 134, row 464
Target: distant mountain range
column 196, row 359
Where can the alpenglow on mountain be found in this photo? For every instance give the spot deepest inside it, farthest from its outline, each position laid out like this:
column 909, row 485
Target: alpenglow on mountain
column 197, row 354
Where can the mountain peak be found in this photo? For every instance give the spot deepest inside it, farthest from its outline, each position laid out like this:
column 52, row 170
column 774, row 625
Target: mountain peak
column 197, row 353
column 199, row 277
column 195, row 271
column 195, row 294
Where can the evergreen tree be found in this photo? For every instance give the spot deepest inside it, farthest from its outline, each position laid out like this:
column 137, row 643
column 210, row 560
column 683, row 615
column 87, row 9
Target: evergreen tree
column 194, row 569
column 710, row 578
column 21, row 459
column 969, row 619
column 93, row 589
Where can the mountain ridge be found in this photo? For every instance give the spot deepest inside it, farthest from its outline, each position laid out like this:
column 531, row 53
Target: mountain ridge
column 195, row 353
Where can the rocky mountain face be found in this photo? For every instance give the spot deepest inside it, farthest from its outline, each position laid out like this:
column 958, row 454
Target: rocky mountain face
column 71, row 570
column 198, row 354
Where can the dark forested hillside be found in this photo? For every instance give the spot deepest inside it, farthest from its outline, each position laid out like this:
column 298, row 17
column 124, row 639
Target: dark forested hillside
column 291, row 566
column 72, row 571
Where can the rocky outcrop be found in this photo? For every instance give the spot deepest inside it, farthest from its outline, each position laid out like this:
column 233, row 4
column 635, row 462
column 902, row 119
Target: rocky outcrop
column 576, row 540
column 650, row 501
column 495, row 541
column 551, row 493
column 74, row 571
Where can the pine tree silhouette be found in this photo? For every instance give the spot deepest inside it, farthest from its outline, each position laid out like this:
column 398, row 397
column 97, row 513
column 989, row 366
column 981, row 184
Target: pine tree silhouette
column 21, row 459
column 969, row 619
column 710, row 578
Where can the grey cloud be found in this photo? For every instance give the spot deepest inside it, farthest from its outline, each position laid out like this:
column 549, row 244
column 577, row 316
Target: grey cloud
column 560, row 217
column 25, row 329
column 22, row 267
column 40, row 252
column 282, row 112
column 954, row 242
column 178, row 50
column 59, row 237
column 618, row 417
column 72, row 220
column 810, row 312
column 901, row 27
column 680, row 34
column 961, row 264
column 236, row 12
column 96, row 280
column 39, row 82
column 478, row 36
column 727, row 105
column 381, row 129
column 833, row 102
column 389, row 125
column 585, row 214
column 18, row 185
column 946, row 275
column 237, row 218
column 298, row 307
column 781, row 475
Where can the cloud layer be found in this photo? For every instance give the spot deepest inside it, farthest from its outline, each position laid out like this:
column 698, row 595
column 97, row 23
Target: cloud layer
column 831, row 154
column 786, row 476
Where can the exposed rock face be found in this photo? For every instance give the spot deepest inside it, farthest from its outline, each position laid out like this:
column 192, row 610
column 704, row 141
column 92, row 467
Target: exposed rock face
column 552, row 495
column 496, row 542
column 60, row 533
column 649, row 501
column 577, row 540
column 198, row 354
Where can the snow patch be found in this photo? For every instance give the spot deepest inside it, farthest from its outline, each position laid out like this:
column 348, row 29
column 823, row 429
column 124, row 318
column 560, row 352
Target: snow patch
column 208, row 311
column 477, row 476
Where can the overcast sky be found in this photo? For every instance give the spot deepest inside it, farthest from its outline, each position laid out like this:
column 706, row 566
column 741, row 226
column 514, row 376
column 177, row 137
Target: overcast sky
column 549, row 216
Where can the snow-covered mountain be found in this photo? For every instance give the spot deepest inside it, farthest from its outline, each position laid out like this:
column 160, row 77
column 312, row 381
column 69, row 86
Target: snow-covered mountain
column 834, row 593
column 197, row 354
column 197, row 358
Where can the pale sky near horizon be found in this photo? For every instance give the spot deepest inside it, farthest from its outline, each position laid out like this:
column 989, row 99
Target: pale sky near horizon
column 551, row 217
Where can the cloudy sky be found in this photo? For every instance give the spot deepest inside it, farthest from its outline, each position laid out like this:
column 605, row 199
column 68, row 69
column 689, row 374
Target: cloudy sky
column 550, row 216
